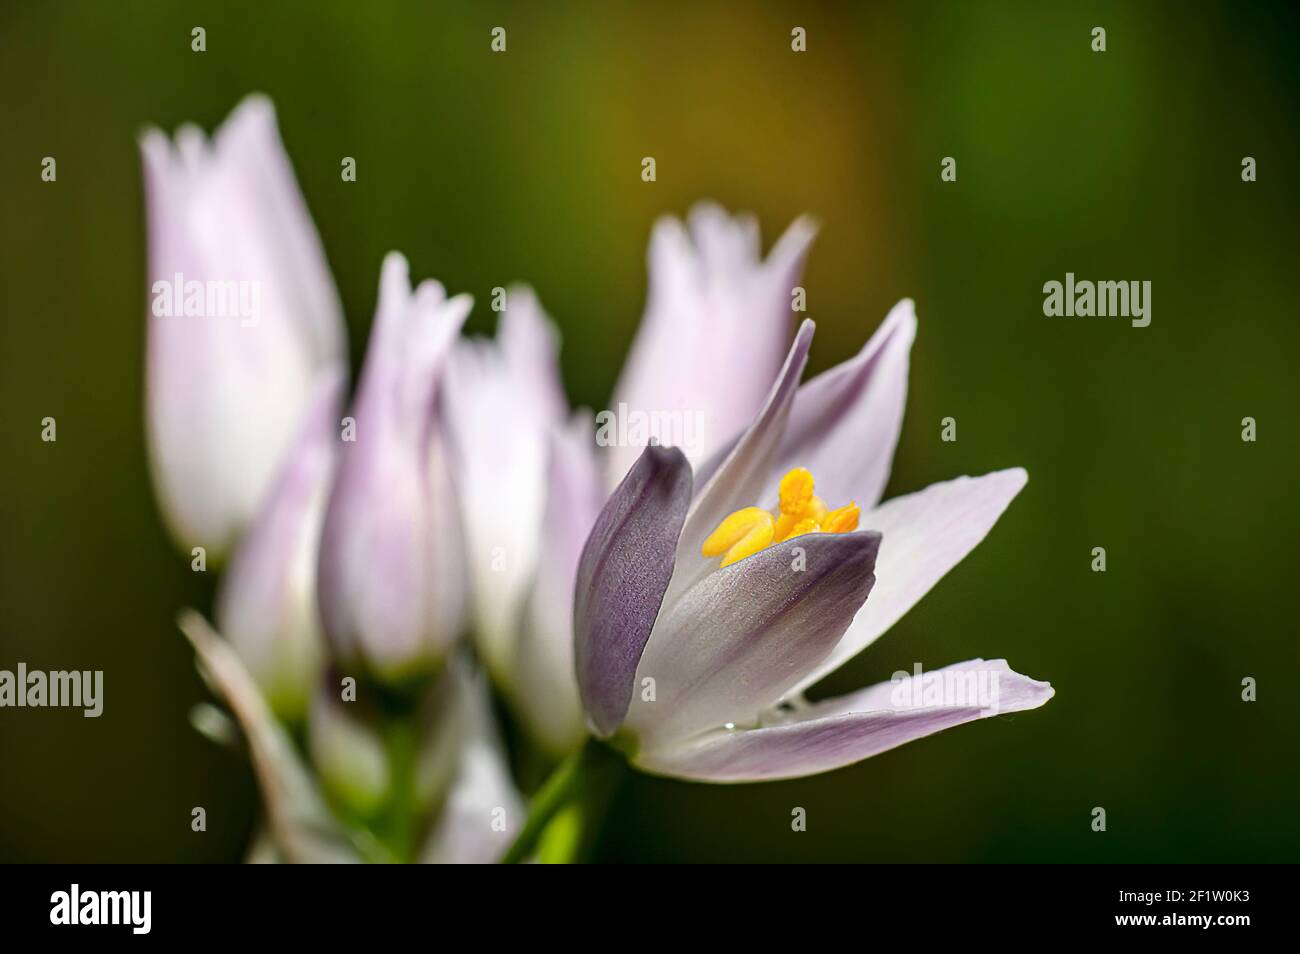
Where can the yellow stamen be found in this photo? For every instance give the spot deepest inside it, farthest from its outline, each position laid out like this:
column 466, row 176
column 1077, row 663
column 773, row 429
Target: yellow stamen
column 796, row 492
column 816, row 510
column 732, row 530
column 806, row 525
column 799, row 511
column 757, row 538
column 785, row 524
column 844, row 520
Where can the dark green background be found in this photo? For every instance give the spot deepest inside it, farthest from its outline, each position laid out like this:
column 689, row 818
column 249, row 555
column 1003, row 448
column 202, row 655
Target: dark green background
column 489, row 168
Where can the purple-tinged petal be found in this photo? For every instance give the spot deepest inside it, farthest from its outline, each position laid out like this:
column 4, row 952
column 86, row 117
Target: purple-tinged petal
column 736, row 642
column 622, row 575
column 391, row 578
column 713, row 305
column 839, row 732
column 844, row 424
column 243, row 318
column 740, row 479
column 503, row 398
column 267, row 604
column 287, row 244
column 546, row 688
column 530, row 347
column 926, row 535
column 302, row 827
column 708, row 467
column 988, row 684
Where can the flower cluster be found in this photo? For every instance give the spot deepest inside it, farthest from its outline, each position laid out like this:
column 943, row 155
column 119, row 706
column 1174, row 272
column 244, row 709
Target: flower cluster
column 452, row 528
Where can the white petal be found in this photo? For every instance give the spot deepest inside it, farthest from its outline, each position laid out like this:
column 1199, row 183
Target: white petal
column 734, row 643
column 483, row 811
column 267, row 604
column 842, row 731
column 392, row 563
column 714, row 332
column 844, row 424
column 503, row 398
column 740, row 478
column 225, row 391
column 546, row 689
column 925, row 535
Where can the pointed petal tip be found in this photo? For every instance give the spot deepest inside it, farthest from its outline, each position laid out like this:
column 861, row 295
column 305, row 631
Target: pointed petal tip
column 706, row 208
column 255, row 113
column 805, row 223
column 253, row 120
column 797, row 238
column 1014, row 478
column 1009, row 481
column 153, row 142
column 906, row 311
column 255, row 103
column 836, row 732
column 429, row 290
column 459, row 306
column 191, row 622
column 900, row 323
column 394, row 270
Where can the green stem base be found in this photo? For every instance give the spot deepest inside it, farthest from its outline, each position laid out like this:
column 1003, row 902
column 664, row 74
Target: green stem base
column 567, row 809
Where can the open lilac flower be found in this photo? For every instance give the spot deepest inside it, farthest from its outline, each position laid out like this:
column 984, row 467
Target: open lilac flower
column 244, row 320
column 531, row 482
column 706, row 602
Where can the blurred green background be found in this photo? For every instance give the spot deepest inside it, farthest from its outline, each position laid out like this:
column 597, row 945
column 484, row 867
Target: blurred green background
column 489, row 168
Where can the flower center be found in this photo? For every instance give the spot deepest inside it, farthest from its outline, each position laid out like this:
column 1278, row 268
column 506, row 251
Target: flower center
column 799, row 511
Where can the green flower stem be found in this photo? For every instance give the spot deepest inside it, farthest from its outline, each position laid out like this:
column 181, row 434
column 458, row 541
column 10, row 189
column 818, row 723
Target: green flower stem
column 396, row 829
column 573, row 798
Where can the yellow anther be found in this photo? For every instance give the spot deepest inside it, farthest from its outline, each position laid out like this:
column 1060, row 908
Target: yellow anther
column 733, row 529
column 843, row 520
column 799, row 511
column 816, row 510
column 759, row 536
column 806, row 525
column 785, row 525
column 796, row 492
